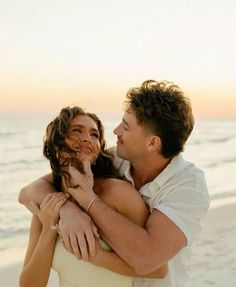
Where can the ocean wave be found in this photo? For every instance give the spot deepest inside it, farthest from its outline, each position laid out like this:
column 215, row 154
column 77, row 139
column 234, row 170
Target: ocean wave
column 21, row 162
column 8, row 232
column 221, row 162
column 212, row 140
column 227, row 194
column 13, row 167
column 8, row 134
column 27, row 147
column 13, row 241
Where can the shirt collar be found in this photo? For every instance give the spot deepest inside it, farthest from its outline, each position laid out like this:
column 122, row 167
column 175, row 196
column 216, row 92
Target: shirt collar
column 176, row 166
column 127, row 173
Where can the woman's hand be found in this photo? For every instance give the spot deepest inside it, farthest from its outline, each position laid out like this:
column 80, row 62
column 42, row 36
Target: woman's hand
column 84, row 193
column 83, row 179
column 78, row 231
column 48, row 212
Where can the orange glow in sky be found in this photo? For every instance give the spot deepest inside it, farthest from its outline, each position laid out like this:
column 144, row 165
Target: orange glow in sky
column 89, row 53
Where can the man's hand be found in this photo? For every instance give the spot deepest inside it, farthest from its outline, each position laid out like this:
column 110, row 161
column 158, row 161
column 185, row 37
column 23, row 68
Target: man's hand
column 77, row 230
column 97, row 259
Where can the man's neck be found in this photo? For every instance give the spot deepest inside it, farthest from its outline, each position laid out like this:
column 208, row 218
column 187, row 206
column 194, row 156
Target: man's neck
column 147, row 170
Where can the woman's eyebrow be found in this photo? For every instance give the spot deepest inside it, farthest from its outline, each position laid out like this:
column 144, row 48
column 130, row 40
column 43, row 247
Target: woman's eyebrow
column 83, row 127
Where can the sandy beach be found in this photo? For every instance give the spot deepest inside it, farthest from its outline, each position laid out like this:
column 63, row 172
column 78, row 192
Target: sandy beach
column 214, row 252
column 213, row 261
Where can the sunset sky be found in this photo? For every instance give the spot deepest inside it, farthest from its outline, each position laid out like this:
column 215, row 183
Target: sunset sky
column 56, row 53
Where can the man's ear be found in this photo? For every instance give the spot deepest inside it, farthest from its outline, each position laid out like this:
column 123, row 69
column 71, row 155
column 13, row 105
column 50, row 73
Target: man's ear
column 154, row 143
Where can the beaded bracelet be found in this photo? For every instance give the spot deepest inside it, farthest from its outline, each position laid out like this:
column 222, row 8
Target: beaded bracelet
column 91, row 202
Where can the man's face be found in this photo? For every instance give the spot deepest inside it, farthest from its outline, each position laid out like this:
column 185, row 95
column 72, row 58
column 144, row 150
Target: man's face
column 131, row 138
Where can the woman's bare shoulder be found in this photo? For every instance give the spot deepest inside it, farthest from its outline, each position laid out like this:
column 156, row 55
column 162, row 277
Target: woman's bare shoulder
column 114, row 185
column 122, row 196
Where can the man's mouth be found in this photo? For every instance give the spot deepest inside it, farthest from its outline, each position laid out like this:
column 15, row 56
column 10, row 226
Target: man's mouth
column 119, row 141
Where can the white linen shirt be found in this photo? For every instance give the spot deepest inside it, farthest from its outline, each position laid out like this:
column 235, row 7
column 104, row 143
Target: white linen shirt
column 179, row 192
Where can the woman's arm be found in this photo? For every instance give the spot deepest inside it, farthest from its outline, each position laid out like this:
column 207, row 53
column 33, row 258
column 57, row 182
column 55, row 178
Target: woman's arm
column 42, row 238
column 74, row 223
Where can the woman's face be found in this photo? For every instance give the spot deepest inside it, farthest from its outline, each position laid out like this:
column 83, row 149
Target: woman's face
column 83, row 137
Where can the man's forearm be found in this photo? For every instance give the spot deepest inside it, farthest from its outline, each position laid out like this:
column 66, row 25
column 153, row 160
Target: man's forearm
column 128, row 240
column 36, row 191
column 111, row 261
column 145, row 249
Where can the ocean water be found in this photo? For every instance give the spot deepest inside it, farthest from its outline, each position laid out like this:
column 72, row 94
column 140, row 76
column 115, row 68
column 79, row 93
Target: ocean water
column 211, row 147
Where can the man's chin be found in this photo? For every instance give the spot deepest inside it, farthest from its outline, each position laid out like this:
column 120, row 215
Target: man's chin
column 120, row 154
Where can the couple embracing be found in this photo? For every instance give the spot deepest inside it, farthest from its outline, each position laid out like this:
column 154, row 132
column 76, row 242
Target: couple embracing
column 126, row 216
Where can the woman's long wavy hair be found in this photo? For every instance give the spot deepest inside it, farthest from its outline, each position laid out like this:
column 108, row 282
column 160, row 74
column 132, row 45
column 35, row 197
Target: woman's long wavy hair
column 54, row 146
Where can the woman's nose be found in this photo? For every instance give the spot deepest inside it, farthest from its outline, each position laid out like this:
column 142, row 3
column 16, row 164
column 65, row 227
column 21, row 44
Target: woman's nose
column 85, row 137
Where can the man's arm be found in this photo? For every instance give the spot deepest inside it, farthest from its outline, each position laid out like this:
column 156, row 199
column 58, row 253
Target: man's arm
column 111, row 261
column 36, row 191
column 145, row 249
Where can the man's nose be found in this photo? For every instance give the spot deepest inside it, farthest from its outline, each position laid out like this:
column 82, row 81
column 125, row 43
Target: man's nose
column 116, row 131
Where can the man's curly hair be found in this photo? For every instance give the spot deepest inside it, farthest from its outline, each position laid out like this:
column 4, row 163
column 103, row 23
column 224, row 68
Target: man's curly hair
column 163, row 109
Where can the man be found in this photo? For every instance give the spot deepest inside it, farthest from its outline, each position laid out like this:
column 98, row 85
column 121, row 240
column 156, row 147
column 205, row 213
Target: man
column 157, row 122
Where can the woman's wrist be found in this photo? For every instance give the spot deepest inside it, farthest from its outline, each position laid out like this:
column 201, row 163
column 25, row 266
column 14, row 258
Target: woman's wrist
column 91, row 202
column 49, row 232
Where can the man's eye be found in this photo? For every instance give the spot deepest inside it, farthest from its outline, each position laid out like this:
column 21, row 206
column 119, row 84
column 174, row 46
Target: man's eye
column 124, row 126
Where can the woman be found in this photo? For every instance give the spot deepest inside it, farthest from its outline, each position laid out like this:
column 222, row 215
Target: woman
column 74, row 137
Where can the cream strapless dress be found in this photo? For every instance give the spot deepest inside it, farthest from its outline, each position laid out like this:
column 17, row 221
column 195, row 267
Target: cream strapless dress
column 77, row 273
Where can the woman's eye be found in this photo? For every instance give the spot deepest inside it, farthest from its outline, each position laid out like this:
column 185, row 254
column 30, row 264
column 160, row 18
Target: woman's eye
column 95, row 135
column 76, row 130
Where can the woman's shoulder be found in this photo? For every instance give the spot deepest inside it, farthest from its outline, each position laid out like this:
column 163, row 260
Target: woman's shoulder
column 123, row 197
column 114, row 185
